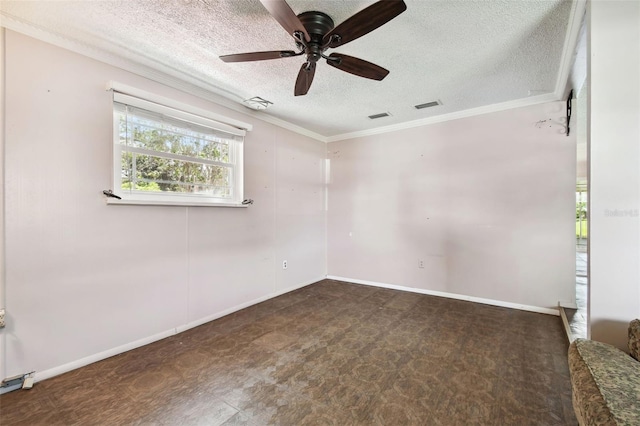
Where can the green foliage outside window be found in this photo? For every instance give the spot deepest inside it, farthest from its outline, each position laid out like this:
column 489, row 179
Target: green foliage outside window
column 584, row 229
column 581, row 219
column 156, row 173
column 142, row 186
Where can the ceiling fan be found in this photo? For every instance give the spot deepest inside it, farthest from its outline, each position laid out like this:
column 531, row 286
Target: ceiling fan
column 314, row 33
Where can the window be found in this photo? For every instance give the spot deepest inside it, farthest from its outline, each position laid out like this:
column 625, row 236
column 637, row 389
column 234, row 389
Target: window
column 164, row 155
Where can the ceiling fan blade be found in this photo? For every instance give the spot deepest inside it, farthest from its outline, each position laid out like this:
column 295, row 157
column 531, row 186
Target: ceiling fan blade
column 258, row 56
column 305, row 78
column 286, row 17
column 365, row 21
column 357, row 66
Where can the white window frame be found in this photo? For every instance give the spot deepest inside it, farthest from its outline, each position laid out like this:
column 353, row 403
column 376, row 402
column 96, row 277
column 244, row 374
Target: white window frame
column 156, row 104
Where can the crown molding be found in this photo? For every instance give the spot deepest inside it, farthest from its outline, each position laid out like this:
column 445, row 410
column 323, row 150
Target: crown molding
column 576, row 17
column 148, row 68
column 518, row 103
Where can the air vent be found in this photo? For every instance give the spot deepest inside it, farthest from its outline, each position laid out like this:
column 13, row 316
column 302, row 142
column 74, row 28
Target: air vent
column 382, row 114
column 257, row 103
column 428, row 105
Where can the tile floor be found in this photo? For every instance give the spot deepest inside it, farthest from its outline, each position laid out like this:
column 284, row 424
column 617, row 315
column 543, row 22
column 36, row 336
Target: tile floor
column 331, row 353
column 577, row 318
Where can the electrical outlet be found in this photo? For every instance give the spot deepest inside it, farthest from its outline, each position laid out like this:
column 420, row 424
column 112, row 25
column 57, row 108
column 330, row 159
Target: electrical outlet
column 421, row 264
column 2, row 324
column 284, row 264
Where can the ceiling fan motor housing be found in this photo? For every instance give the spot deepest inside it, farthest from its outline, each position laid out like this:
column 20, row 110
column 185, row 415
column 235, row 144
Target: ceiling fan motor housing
column 317, row 25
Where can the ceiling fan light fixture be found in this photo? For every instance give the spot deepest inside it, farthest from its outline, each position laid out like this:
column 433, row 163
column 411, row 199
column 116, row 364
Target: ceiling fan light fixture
column 382, row 114
column 428, row 104
column 257, row 103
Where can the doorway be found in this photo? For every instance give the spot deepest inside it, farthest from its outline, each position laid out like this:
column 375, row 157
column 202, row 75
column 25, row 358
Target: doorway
column 578, row 323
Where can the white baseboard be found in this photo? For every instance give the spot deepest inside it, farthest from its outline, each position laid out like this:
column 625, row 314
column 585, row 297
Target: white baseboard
column 492, row 302
column 55, row 371
column 217, row 315
column 565, row 325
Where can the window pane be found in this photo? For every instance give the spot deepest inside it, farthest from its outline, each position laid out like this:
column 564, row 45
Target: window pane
column 127, row 169
column 168, row 175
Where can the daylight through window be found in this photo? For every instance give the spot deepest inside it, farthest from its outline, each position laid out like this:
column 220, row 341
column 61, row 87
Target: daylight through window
column 167, row 156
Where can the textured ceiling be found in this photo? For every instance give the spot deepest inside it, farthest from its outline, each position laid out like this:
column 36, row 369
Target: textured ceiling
column 467, row 54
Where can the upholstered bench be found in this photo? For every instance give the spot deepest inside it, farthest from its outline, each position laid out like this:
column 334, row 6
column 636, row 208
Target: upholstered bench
column 606, row 381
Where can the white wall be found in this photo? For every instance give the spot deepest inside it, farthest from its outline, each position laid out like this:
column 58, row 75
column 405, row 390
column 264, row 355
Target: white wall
column 83, row 278
column 486, row 202
column 614, row 149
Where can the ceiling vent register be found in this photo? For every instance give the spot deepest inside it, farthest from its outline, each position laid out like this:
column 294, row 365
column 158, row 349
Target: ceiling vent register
column 382, row 114
column 427, row 105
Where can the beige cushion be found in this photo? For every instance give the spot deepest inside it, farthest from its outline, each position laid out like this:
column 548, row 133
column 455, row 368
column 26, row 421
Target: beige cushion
column 605, row 383
column 634, row 339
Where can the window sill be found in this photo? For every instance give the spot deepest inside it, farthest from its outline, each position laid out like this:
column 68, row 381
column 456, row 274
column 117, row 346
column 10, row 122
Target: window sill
column 113, row 201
